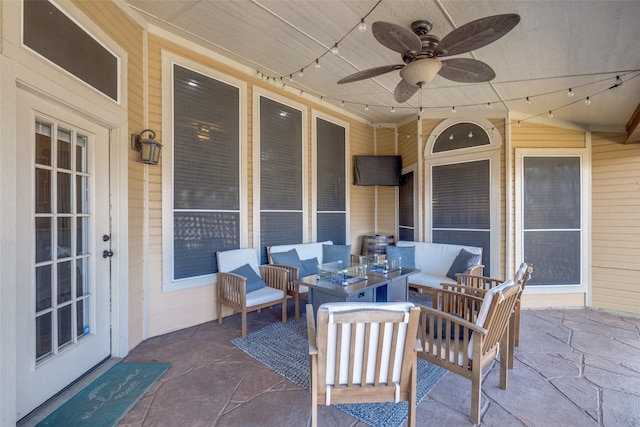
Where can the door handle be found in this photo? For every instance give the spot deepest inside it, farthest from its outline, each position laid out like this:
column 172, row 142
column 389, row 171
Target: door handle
column 107, row 254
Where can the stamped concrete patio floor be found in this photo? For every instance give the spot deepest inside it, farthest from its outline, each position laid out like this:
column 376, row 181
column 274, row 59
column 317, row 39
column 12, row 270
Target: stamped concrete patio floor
column 574, row 367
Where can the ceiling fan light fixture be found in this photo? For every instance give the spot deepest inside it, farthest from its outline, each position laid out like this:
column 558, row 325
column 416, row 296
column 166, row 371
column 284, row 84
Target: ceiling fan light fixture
column 421, row 71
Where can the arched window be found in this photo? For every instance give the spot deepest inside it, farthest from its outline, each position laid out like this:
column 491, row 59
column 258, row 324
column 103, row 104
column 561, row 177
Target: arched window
column 462, row 191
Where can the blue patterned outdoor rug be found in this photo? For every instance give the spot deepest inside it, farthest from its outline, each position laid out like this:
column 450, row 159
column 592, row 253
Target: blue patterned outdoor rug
column 107, row 399
column 284, row 348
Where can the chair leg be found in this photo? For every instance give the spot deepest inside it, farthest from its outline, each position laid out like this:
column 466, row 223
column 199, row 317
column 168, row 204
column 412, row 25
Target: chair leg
column 505, row 358
column 284, row 309
column 314, row 390
column 411, row 422
column 296, row 303
column 476, row 386
column 511, row 331
column 244, row 322
column 219, row 306
column 516, row 329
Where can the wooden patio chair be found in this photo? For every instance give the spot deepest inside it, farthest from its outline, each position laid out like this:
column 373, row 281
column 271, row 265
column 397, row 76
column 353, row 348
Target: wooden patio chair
column 363, row 352
column 479, row 285
column 465, row 332
column 246, row 286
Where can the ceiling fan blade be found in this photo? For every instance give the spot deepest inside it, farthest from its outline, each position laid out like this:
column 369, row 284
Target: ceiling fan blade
column 478, row 33
column 465, row 70
column 370, row 72
column 404, row 91
column 395, row 37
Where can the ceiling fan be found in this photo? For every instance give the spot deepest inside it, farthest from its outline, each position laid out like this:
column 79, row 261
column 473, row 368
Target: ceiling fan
column 421, row 52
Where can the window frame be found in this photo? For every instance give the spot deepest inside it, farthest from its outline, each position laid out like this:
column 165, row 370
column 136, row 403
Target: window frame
column 315, row 115
column 585, row 218
column 168, row 60
column 489, row 152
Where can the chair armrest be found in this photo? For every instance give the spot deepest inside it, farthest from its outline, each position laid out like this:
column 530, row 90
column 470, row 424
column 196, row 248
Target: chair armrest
column 275, row 277
column 231, row 287
column 478, row 281
column 476, row 270
column 471, row 290
column 294, row 272
column 311, row 330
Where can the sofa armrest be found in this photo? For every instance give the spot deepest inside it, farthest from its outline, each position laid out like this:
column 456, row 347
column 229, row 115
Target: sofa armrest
column 293, row 274
column 476, row 270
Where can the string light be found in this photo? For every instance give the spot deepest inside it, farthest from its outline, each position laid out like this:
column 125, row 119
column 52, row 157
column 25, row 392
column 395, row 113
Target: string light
column 393, row 109
column 519, row 124
column 550, row 115
column 453, row 109
column 489, row 105
column 451, row 137
column 470, row 134
column 334, row 49
column 528, row 101
column 342, row 103
column 317, row 63
column 587, row 101
column 366, row 107
column 362, row 27
column 301, row 72
column 570, row 93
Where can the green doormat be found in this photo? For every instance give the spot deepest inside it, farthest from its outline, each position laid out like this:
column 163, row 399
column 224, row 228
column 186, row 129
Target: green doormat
column 107, row 399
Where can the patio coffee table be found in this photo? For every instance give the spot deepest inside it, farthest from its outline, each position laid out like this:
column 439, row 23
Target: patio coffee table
column 378, row 287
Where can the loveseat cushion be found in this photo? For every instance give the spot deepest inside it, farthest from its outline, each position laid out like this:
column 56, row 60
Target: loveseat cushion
column 464, row 260
column 408, row 254
column 309, row 266
column 332, row 253
column 254, row 282
column 289, row 257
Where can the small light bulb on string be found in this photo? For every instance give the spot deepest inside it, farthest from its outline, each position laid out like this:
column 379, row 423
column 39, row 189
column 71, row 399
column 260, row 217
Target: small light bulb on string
column 570, row 93
column 470, row 134
column 342, row 103
column 528, row 101
column 519, row 124
column 301, row 92
column 453, row 109
column 489, row 105
column 366, row 107
column 393, row 109
column 493, row 130
column 334, row 49
column 290, row 77
column 587, row 101
column 301, row 72
column 550, row 115
column 317, row 63
column 362, row 26
column 451, row 137
column 321, row 98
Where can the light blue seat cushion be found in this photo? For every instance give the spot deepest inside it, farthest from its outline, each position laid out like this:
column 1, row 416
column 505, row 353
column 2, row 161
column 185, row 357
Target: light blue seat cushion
column 332, row 253
column 254, row 282
column 464, row 260
column 408, row 254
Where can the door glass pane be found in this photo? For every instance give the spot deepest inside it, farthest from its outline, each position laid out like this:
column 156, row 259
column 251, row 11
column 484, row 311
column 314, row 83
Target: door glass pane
column 82, row 236
column 44, row 336
column 43, row 191
column 81, row 153
column 64, row 282
column 64, row 149
column 82, row 318
column 82, row 190
column 64, row 237
column 43, row 239
column 43, row 287
column 82, row 277
column 64, row 192
column 43, row 143
column 64, row 325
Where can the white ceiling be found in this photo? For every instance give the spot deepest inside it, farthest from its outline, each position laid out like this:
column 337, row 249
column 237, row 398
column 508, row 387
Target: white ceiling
column 578, row 44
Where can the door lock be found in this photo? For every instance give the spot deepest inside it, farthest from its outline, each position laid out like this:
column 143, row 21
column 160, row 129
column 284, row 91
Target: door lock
column 107, row 254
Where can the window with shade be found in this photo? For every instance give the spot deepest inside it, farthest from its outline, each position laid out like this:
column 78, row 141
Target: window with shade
column 206, row 207
column 331, row 199
column 281, row 174
column 464, row 189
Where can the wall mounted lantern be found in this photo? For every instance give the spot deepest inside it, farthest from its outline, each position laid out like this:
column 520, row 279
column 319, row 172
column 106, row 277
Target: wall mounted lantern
column 149, row 148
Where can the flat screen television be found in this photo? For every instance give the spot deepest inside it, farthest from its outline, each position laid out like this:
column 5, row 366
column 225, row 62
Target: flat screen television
column 377, row 170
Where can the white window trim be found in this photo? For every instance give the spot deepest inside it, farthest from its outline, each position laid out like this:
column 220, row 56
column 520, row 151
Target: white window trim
column 168, row 60
column 489, row 152
column 314, row 172
column 583, row 153
column 257, row 93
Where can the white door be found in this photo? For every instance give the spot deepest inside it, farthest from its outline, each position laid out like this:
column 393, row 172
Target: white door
column 63, row 283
